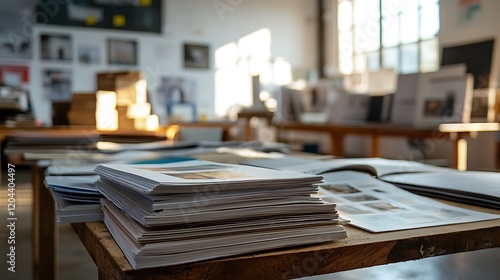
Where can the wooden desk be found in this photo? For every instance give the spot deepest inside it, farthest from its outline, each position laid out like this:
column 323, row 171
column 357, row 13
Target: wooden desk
column 247, row 116
column 456, row 133
column 360, row 249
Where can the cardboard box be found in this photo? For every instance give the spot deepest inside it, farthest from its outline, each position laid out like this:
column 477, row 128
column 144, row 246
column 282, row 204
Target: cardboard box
column 123, row 83
column 84, row 101
column 82, row 117
column 124, row 123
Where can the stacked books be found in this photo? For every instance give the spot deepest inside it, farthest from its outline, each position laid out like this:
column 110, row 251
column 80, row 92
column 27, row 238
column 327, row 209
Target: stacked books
column 195, row 210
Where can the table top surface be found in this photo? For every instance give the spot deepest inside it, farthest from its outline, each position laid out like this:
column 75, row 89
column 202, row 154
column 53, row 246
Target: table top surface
column 360, row 249
column 388, row 128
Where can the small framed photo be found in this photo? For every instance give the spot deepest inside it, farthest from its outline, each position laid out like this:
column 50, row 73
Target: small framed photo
column 444, row 99
column 56, row 47
column 483, row 105
column 196, row 56
column 122, row 52
column 89, row 54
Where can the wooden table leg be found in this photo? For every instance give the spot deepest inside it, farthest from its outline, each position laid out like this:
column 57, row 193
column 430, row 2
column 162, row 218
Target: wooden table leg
column 375, row 145
column 337, row 144
column 459, row 160
column 45, row 233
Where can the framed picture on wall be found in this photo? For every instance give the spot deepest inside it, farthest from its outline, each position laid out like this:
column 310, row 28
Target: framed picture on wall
column 89, row 54
column 122, row 52
column 56, row 47
column 196, row 56
column 57, row 84
column 444, row 99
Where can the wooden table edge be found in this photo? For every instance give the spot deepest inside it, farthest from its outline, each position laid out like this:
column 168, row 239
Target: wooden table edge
column 360, row 250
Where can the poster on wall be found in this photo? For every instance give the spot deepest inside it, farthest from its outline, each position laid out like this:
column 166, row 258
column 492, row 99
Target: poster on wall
column 469, row 10
column 16, row 29
column 134, row 15
column 56, row 47
column 57, row 84
column 179, row 94
column 16, row 76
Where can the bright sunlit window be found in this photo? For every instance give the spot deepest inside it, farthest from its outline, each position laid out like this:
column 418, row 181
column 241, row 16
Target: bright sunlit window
column 397, row 34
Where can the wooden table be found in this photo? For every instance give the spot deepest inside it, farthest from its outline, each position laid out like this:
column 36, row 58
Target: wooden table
column 360, row 249
column 456, row 133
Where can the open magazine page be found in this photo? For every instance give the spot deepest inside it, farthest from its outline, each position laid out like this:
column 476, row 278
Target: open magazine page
column 378, row 206
column 375, row 166
column 482, row 188
column 187, row 177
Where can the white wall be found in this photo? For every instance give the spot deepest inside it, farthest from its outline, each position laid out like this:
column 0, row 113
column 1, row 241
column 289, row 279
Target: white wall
column 291, row 23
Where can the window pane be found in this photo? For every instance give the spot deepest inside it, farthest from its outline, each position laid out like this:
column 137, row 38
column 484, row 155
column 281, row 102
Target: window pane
column 367, row 26
column 390, row 58
column 366, row 41
column 360, row 63
column 390, row 31
column 365, row 11
column 409, row 59
column 391, row 7
column 345, row 43
column 373, row 61
column 409, row 26
column 424, row 3
column 344, row 15
column 409, row 5
column 429, row 58
column 345, row 52
column 345, row 65
column 429, row 26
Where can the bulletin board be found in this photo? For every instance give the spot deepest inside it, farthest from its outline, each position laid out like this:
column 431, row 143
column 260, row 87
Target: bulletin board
column 133, row 15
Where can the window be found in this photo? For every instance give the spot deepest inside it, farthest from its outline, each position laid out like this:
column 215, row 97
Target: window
column 398, row 34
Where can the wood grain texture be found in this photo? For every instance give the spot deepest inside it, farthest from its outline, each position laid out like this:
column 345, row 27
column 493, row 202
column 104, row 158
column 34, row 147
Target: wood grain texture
column 44, row 229
column 360, row 249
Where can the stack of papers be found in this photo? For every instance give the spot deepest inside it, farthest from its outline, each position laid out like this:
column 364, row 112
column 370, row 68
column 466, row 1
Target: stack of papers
column 76, row 198
column 167, row 214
